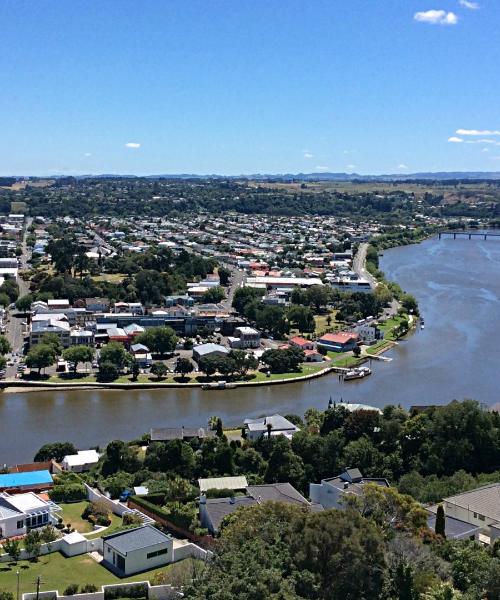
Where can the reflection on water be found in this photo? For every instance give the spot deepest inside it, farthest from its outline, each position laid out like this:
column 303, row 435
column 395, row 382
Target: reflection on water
column 457, row 283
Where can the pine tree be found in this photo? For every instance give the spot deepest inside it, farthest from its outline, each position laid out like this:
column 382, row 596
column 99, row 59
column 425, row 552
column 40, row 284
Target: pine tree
column 439, row 528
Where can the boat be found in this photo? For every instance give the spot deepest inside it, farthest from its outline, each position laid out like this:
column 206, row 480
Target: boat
column 422, row 326
column 218, row 385
column 358, row 373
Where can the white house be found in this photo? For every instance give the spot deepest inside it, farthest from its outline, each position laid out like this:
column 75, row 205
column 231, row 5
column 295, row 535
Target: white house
column 21, row 512
column 135, row 550
column 275, row 425
column 82, row 461
column 331, row 493
column 249, row 337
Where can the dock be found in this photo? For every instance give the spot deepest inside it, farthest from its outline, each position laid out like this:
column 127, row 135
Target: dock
column 469, row 234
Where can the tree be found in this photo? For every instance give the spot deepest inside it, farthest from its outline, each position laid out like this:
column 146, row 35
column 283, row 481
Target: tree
column 56, row 451
column 209, row 365
column 108, row 371
column 159, row 369
column 243, row 362
column 115, row 353
column 40, row 357
column 53, row 340
column 284, row 464
column 409, row 303
column 160, row 340
column 13, row 549
column 283, row 361
column 5, row 346
column 301, row 317
column 183, row 366
column 224, row 275
column 23, row 304
column 174, row 456
column 272, row 319
column 440, row 525
column 214, row 295
column 32, row 543
column 136, row 369
column 6, row 595
column 78, row 354
column 48, row 535
column 244, row 296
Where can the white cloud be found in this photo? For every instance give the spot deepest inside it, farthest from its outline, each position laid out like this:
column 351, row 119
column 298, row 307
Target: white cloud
column 87, row 154
column 132, row 145
column 349, row 151
column 351, row 167
column 308, row 155
column 477, row 132
column 485, row 150
column 455, row 140
column 484, row 141
column 436, row 17
column 322, row 168
column 468, row 4
column 402, row 166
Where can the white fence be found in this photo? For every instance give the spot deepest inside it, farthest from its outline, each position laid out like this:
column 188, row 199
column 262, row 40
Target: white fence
column 115, row 507
column 154, row 592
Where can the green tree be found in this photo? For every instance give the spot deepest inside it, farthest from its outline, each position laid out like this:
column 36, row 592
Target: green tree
column 108, row 371
column 224, row 275
column 5, row 346
column 301, row 317
column 159, row 370
column 53, row 340
column 56, row 451
column 272, row 319
column 32, row 543
column 13, row 549
column 116, row 354
column 40, row 357
column 160, row 340
column 214, row 295
column 440, row 525
column 78, row 354
column 183, row 366
column 23, row 304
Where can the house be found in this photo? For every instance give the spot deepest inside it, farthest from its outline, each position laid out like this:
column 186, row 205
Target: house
column 83, row 460
column 454, row 528
column 343, row 341
column 35, row 481
column 81, row 337
column 368, row 331
column 165, row 434
column 58, row 304
column 135, row 550
column 314, row 356
column 331, row 493
column 302, row 343
column 58, row 325
column 249, row 337
column 97, row 305
column 142, row 355
column 237, row 483
column 22, row 512
column 214, row 510
column 275, row 424
column 479, row 507
column 209, row 351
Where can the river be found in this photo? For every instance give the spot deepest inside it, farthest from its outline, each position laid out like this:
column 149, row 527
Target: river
column 457, row 283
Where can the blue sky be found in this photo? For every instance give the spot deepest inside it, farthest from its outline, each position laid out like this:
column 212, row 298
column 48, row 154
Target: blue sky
column 246, row 86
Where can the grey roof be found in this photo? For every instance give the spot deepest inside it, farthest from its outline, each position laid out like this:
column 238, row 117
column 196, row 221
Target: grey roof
column 351, row 475
column 7, row 510
column 278, row 492
column 204, row 349
column 139, row 348
column 484, row 500
column 136, row 539
column 454, row 528
column 164, row 434
column 218, row 508
column 278, row 423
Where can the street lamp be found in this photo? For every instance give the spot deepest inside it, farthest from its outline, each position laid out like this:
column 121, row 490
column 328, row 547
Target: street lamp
column 18, row 574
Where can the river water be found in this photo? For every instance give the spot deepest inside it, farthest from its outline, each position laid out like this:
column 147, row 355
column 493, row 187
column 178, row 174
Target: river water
column 457, row 283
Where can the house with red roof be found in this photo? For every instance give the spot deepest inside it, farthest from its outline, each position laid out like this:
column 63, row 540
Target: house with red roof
column 344, row 341
column 302, row 343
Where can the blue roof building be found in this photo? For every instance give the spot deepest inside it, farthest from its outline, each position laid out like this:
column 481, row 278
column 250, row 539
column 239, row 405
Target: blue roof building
column 31, row 480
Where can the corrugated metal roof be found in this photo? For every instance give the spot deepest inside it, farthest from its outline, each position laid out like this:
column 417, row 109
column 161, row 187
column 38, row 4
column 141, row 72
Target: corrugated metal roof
column 136, row 539
column 13, row 480
column 223, row 483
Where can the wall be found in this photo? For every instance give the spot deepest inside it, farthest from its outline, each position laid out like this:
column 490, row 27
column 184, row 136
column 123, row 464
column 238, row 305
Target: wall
column 115, row 507
column 155, row 592
column 44, row 549
column 191, row 550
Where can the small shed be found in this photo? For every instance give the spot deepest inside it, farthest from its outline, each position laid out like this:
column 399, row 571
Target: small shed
column 73, row 544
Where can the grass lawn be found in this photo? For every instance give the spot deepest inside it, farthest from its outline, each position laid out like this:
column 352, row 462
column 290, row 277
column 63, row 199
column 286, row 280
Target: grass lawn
column 110, row 277
column 378, row 347
column 58, row 572
column 307, row 369
column 344, row 359
column 322, row 324
column 72, row 513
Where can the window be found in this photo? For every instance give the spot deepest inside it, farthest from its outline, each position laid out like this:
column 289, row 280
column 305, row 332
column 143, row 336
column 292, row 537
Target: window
column 45, row 517
column 481, row 517
column 20, row 524
column 156, row 553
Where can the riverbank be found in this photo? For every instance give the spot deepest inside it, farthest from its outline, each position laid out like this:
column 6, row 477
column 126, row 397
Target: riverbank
column 276, row 379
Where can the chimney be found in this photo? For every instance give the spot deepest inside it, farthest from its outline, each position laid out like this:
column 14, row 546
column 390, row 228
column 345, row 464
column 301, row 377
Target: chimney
column 231, row 500
column 203, row 498
column 346, row 485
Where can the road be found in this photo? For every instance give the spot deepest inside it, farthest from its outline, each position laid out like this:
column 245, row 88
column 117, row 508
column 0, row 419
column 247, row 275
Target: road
column 14, row 321
column 359, row 265
column 238, row 278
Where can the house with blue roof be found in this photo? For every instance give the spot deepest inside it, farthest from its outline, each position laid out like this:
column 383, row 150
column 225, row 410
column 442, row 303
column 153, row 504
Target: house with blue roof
column 30, row 481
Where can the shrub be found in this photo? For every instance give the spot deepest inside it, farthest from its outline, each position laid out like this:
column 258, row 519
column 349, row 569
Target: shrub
column 71, row 590
column 72, row 492
column 139, row 590
column 97, row 513
column 132, row 519
column 88, row 588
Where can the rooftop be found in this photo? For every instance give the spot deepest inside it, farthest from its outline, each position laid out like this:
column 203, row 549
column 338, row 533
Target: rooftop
column 484, row 500
column 223, row 483
column 32, row 478
column 136, row 539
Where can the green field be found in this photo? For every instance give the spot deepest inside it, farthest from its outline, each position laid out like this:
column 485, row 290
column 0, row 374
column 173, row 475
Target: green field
column 72, row 513
column 58, row 572
column 307, row 369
